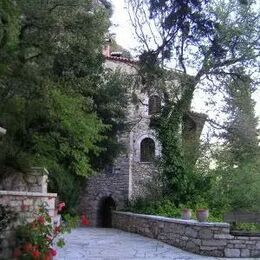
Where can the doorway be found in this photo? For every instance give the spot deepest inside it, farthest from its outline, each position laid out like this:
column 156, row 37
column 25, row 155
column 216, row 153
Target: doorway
column 107, row 205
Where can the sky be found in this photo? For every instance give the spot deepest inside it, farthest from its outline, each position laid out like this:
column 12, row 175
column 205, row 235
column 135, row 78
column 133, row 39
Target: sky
column 124, row 34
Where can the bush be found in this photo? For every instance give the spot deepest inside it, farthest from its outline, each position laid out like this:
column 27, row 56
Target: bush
column 162, row 207
column 36, row 239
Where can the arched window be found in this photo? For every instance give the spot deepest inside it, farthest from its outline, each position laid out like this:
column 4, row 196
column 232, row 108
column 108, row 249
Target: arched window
column 154, row 105
column 147, row 150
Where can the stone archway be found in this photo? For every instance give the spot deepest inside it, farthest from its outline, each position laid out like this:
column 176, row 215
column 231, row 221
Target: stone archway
column 104, row 212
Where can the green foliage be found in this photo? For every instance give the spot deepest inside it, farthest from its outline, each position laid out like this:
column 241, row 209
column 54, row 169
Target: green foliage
column 165, row 207
column 36, row 239
column 9, row 33
column 161, row 207
column 183, row 182
column 236, row 175
column 9, row 25
column 48, row 128
column 61, row 108
column 202, row 35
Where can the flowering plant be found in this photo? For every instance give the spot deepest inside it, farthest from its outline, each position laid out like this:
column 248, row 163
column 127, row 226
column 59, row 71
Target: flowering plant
column 36, row 239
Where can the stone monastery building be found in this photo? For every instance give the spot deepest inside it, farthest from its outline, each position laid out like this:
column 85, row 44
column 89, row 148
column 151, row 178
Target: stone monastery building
column 134, row 167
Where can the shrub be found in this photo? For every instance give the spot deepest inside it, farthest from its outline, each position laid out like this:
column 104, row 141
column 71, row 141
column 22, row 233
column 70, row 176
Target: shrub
column 36, row 239
column 163, row 207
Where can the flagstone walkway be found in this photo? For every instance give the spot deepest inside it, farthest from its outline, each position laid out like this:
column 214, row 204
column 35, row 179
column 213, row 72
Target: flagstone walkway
column 112, row 244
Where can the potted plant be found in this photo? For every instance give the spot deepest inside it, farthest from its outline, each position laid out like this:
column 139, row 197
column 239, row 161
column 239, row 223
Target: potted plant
column 186, row 214
column 202, row 214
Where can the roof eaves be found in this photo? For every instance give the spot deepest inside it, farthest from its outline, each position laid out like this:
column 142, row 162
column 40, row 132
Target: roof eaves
column 121, row 59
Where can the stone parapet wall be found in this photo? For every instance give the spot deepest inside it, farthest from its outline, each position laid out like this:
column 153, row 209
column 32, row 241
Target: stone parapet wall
column 25, row 204
column 34, row 180
column 211, row 239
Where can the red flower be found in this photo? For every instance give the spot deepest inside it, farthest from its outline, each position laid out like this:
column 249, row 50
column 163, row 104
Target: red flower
column 53, row 252
column 84, row 220
column 61, row 205
column 35, row 254
column 41, row 219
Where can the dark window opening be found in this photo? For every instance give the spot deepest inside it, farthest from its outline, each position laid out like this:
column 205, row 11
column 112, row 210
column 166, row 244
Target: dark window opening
column 154, row 105
column 109, row 169
column 147, row 150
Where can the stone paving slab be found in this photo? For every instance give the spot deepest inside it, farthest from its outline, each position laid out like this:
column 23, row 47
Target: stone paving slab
column 113, row 244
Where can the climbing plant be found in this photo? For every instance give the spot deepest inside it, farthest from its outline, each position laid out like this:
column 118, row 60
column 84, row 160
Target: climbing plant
column 209, row 37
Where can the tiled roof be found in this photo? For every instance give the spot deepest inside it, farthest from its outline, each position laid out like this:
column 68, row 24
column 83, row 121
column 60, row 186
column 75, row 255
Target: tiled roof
column 121, row 59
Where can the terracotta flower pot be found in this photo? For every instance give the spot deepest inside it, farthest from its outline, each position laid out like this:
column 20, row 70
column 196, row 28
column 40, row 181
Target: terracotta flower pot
column 202, row 215
column 186, row 214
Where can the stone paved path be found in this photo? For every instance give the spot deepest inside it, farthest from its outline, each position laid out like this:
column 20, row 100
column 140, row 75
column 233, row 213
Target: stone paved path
column 112, row 244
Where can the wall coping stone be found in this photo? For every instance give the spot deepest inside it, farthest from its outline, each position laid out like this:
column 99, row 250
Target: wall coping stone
column 211, row 239
column 24, row 193
column 178, row 221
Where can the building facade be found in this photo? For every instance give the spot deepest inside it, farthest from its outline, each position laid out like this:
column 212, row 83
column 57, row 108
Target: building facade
column 134, row 169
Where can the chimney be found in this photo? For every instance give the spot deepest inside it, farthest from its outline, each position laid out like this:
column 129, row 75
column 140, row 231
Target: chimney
column 106, row 48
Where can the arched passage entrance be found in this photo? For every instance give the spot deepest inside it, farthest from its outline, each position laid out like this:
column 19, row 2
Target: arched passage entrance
column 104, row 216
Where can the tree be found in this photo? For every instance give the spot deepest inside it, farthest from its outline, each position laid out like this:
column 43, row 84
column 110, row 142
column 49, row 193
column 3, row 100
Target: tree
column 237, row 161
column 52, row 97
column 211, row 37
column 9, row 30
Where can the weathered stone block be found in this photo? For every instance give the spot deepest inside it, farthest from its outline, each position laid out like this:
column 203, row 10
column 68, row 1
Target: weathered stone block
column 205, row 234
column 232, row 252
column 28, row 202
column 250, row 242
column 241, row 238
column 255, row 253
column 223, row 236
column 239, row 246
column 217, row 253
column 245, row 253
column 15, row 203
column 214, row 242
column 192, row 246
column 257, row 245
column 190, row 232
column 196, row 241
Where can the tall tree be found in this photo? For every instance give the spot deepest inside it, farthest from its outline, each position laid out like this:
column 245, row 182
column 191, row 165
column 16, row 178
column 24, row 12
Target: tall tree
column 209, row 37
column 238, row 159
column 51, row 96
column 9, row 30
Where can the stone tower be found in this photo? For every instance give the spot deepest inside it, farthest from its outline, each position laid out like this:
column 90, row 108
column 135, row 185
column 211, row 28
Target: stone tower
column 134, row 167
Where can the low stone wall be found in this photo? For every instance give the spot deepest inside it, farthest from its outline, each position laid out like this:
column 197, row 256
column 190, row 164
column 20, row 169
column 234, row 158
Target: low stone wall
column 211, row 239
column 25, row 204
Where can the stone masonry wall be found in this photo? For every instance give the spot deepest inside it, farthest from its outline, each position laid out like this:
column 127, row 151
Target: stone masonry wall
column 141, row 173
column 34, row 180
column 211, row 239
column 114, row 184
column 25, row 204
